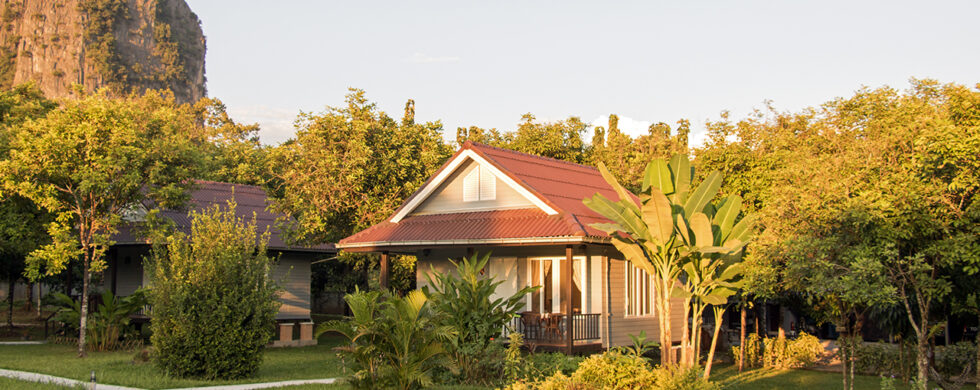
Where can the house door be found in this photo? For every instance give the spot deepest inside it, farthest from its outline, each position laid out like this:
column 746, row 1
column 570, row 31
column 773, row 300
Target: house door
column 551, row 297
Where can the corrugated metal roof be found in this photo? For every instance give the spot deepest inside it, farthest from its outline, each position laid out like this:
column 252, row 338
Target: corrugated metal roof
column 561, row 184
column 250, row 201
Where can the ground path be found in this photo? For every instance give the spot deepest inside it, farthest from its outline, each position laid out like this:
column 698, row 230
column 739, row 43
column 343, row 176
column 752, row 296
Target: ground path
column 42, row 378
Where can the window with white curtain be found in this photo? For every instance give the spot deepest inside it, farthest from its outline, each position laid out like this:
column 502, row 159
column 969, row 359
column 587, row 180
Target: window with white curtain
column 639, row 291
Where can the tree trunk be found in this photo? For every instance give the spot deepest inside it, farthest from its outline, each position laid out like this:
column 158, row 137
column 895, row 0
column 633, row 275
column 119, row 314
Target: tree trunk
column 30, row 298
column 84, row 306
column 978, row 350
column 857, row 337
column 719, row 316
column 686, row 334
column 922, row 362
column 741, row 339
column 38, row 300
column 10, row 301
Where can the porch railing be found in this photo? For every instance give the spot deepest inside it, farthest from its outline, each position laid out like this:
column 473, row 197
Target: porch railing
column 552, row 328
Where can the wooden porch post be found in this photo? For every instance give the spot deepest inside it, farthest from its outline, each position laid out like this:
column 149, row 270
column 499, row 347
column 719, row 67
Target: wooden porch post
column 385, row 272
column 569, row 291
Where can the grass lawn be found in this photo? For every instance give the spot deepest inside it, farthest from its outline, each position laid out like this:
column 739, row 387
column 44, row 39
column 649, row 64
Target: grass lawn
column 13, row 384
column 766, row 379
column 117, row 368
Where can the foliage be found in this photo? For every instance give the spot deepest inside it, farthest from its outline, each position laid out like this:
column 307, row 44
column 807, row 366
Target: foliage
column 885, row 359
column 614, row 370
column 866, row 200
column 221, row 266
column 232, row 152
column 90, row 161
column 675, row 229
column 625, row 157
column 641, row 346
column 465, row 302
column 108, row 323
column 560, row 140
column 775, row 352
column 513, row 359
column 953, row 360
column 351, row 167
column 392, row 341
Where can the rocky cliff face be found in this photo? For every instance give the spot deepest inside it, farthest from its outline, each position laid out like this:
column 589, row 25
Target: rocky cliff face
column 125, row 45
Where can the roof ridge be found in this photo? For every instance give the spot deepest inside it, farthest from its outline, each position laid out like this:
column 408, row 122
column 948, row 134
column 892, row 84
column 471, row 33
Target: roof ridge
column 550, row 159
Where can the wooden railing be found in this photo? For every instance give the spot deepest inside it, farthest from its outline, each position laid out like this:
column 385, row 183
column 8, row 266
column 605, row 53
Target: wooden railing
column 552, row 328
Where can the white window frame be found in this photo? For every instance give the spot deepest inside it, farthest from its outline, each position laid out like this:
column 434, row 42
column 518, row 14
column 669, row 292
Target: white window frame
column 636, row 284
column 556, row 263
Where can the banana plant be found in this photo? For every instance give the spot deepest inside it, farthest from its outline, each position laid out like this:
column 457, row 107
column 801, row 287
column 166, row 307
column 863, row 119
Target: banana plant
column 671, row 229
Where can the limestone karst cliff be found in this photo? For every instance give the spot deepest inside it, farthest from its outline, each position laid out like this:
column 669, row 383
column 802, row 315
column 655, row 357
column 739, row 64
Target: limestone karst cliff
column 125, row 45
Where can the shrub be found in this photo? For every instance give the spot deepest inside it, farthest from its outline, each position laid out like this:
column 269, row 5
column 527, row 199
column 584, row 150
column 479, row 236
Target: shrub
column 214, row 303
column 803, row 351
column 392, row 341
column 681, row 378
column 465, row 301
column 615, row 370
column 956, row 359
column 108, row 325
column 885, row 359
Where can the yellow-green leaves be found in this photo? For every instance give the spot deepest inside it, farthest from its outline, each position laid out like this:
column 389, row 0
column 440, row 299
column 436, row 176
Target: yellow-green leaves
column 657, row 216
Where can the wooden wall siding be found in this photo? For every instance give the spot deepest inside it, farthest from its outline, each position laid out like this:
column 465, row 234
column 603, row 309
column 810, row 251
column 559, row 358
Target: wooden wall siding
column 622, row 325
column 448, row 198
column 293, row 272
column 513, row 262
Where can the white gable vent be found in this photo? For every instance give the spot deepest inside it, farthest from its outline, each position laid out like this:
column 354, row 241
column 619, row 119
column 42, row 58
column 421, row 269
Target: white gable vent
column 479, row 184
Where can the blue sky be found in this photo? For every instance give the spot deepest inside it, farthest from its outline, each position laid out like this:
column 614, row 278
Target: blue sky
column 487, row 63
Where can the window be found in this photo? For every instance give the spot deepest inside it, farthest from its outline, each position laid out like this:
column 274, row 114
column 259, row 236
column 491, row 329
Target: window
column 479, row 184
column 639, row 291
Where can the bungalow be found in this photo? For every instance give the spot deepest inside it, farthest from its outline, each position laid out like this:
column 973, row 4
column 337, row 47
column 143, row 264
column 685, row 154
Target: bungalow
column 528, row 212
column 125, row 272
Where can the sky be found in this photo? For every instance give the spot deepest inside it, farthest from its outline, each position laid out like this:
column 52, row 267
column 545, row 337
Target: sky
column 487, row 63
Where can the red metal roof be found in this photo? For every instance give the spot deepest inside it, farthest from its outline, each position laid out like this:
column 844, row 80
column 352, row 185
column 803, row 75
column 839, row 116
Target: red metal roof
column 250, row 201
column 561, row 184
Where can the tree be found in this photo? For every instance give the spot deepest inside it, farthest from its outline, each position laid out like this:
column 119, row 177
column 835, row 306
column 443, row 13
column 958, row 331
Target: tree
column 351, row 167
column 21, row 221
column 672, row 226
column 232, row 152
column 93, row 160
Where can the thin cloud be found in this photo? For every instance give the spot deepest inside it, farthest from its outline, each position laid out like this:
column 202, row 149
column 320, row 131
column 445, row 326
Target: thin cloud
column 420, row 58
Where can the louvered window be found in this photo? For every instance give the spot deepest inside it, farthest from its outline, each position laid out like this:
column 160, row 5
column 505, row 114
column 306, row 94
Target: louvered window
column 479, row 184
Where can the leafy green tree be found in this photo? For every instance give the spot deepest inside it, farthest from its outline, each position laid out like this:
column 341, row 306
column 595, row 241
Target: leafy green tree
column 213, row 296
column 21, row 221
column 232, row 152
column 91, row 161
column 351, row 167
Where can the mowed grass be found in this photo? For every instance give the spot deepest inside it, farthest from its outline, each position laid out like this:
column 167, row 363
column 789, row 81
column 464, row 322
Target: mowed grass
column 117, row 368
column 769, row 379
column 13, row 384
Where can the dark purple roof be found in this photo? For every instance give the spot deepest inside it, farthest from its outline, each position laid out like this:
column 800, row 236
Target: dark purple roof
column 249, row 199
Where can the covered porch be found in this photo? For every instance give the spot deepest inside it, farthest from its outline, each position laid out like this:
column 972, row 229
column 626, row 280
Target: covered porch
column 568, row 281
